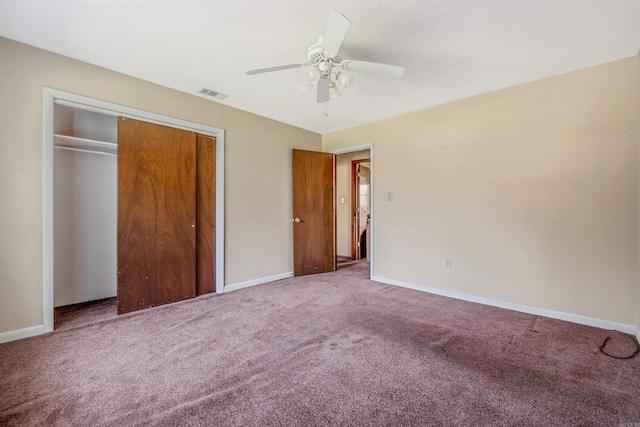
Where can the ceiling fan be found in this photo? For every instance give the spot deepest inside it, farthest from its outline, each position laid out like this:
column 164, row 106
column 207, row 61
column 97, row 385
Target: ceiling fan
column 327, row 66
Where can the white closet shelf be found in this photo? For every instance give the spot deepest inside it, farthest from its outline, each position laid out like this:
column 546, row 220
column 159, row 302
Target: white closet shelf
column 84, row 144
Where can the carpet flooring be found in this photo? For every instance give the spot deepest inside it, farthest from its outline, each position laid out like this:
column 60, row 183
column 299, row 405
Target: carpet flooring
column 72, row 316
column 323, row 350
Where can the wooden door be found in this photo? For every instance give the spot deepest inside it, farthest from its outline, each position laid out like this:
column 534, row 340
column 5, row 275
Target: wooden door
column 205, row 214
column 156, row 215
column 314, row 226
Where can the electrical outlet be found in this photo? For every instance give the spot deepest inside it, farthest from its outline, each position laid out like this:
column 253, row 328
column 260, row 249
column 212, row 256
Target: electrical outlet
column 389, row 196
column 448, row 263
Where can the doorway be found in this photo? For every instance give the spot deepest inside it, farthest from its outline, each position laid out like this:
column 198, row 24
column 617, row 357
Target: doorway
column 360, row 207
column 350, row 227
column 53, row 98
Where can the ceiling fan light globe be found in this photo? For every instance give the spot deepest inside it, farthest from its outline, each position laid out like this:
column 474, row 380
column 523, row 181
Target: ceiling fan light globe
column 313, row 75
column 334, row 92
column 345, row 80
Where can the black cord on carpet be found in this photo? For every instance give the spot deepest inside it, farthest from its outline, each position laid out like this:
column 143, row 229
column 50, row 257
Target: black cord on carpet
column 634, row 354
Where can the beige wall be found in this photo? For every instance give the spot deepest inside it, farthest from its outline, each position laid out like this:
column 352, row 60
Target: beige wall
column 257, row 161
column 638, row 136
column 532, row 190
column 343, row 189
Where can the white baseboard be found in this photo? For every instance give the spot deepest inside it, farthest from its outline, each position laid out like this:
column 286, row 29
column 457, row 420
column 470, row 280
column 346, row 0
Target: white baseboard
column 638, row 334
column 21, row 333
column 259, row 281
column 574, row 318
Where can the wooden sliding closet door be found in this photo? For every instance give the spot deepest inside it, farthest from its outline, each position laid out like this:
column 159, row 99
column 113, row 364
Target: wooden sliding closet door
column 205, row 214
column 156, row 215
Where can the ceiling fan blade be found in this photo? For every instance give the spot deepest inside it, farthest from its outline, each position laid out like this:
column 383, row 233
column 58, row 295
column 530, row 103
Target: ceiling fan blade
column 374, row 68
column 270, row 69
column 337, row 27
column 323, row 90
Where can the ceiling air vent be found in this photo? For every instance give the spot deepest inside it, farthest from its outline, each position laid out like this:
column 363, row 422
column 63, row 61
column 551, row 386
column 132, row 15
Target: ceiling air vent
column 212, row 93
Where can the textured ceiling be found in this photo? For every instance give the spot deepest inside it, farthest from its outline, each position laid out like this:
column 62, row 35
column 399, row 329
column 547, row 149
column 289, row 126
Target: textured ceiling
column 451, row 49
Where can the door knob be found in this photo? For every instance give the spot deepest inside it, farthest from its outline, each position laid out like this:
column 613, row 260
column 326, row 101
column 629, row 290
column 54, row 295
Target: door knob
column 296, row 220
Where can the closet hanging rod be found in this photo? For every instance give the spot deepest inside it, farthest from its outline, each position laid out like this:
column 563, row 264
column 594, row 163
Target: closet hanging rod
column 86, row 151
column 78, row 140
column 84, row 144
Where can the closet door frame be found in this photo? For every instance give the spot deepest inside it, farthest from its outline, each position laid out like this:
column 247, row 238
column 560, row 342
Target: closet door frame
column 50, row 97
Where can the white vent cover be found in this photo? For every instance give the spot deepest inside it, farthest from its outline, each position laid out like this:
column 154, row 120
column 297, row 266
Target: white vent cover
column 212, row 93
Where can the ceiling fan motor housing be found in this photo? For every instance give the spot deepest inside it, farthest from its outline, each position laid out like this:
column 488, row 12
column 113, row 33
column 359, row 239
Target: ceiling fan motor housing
column 317, row 55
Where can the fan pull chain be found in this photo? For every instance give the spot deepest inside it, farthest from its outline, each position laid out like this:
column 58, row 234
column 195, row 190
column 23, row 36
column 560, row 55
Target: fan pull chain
column 326, row 109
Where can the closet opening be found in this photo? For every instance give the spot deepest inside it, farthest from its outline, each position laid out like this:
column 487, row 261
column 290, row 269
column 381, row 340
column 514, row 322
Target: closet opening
column 83, row 144
column 84, row 212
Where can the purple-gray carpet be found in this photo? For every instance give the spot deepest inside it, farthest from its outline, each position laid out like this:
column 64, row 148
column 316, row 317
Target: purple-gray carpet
column 72, row 316
column 329, row 349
